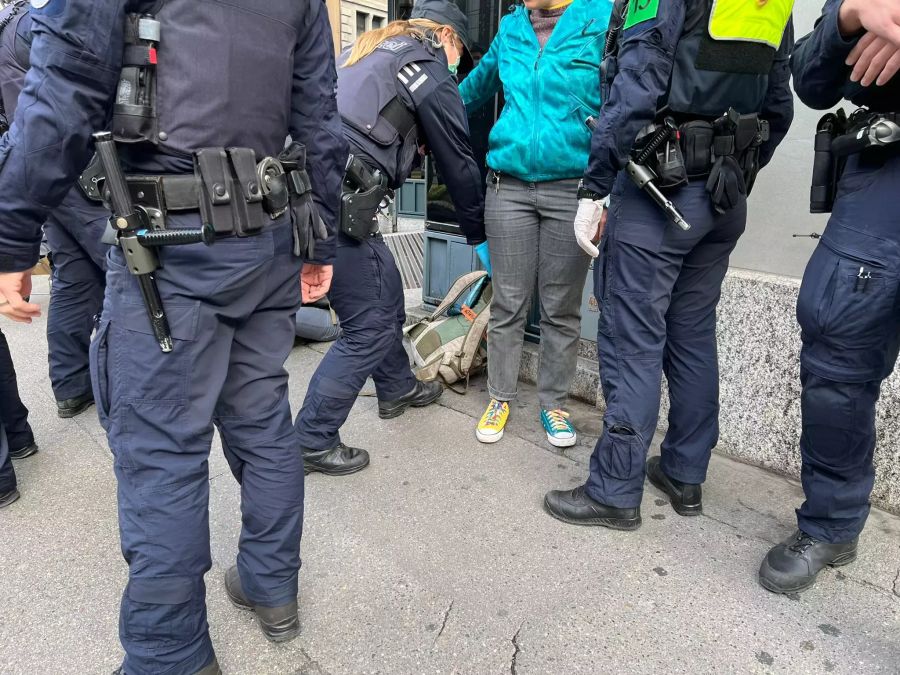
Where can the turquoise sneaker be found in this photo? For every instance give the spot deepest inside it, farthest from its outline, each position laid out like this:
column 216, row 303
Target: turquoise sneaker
column 560, row 431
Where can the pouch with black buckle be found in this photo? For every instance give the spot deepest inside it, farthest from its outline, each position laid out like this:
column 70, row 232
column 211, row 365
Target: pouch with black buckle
column 249, row 213
column 217, row 189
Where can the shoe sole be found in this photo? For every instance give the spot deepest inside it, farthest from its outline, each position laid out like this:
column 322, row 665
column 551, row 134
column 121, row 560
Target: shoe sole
column 27, row 451
column 840, row 561
column 610, row 523
column 391, row 413
column 485, row 438
column 334, row 472
column 565, row 443
column 273, row 634
column 74, row 412
column 680, row 509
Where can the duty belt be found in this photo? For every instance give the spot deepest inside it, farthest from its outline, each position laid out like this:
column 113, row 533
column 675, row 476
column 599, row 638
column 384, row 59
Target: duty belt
column 227, row 200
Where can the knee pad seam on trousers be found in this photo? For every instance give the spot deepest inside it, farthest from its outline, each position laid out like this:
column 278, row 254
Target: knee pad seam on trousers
column 161, row 590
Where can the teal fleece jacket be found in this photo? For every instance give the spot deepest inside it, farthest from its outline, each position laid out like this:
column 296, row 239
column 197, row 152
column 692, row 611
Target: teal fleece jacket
column 541, row 135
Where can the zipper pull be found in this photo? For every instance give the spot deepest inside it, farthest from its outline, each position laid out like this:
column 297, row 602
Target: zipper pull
column 538, row 60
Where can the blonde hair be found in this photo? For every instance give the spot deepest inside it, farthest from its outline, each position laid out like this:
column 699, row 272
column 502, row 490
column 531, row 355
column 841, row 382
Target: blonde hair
column 368, row 42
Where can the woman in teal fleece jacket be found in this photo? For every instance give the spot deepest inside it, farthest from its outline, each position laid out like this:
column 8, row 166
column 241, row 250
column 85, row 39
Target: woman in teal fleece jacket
column 546, row 57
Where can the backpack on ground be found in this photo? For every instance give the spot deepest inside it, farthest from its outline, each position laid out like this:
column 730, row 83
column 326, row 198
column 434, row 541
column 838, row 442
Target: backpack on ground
column 451, row 344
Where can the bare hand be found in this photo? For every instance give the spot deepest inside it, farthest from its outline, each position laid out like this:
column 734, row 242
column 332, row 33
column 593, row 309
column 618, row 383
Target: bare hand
column 881, row 17
column 874, row 59
column 14, row 288
column 315, row 281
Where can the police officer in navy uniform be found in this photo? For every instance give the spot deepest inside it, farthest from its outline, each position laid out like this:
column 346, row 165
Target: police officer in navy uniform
column 848, row 308
column 74, row 231
column 396, row 91
column 675, row 64
column 202, row 91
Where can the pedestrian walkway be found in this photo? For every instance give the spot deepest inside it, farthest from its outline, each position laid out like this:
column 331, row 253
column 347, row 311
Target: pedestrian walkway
column 440, row 559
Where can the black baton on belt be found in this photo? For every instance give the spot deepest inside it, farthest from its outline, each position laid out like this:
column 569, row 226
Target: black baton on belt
column 127, row 221
column 644, row 178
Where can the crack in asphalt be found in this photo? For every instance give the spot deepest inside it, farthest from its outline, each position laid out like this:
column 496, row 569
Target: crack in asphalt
column 443, row 624
column 515, row 657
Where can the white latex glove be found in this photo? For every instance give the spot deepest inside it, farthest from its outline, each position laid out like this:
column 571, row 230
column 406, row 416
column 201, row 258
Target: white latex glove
column 587, row 224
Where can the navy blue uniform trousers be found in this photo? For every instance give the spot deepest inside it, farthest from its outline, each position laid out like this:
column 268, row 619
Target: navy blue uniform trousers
column 849, row 315
column 367, row 295
column 231, row 312
column 74, row 231
column 13, row 413
column 15, row 432
column 658, row 288
column 7, row 472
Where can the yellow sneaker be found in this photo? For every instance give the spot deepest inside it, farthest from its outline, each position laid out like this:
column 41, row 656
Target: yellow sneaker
column 490, row 428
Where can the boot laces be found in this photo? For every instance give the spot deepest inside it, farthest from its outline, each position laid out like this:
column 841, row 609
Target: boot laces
column 803, row 543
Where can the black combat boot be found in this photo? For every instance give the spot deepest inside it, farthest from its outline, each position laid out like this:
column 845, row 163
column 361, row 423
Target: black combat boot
column 72, row 407
column 341, row 460
column 211, row 668
column 577, row 508
column 686, row 498
column 424, row 393
column 278, row 624
column 7, row 498
column 793, row 565
column 23, row 452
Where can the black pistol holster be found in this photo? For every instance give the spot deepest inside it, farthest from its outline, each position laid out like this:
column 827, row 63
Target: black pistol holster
column 365, row 193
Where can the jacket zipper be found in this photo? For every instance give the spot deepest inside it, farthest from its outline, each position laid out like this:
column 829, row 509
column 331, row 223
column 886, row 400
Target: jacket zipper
column 534, row 112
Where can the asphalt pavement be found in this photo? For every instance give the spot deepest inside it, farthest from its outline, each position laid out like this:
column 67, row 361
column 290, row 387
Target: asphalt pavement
column 439, row 559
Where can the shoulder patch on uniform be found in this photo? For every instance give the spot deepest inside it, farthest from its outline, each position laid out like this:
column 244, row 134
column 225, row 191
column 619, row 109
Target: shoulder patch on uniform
column 395, row 46
column 640, row 11
column 412, row 76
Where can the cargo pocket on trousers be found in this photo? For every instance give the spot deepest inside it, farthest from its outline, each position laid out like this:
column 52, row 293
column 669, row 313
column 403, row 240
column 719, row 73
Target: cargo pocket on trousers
column 149, row 374
column 99, row 362
column 161, row 611
column 625, row 455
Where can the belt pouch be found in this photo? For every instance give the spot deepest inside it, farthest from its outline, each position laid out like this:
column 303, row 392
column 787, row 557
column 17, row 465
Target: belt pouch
column 696, row 142
column 217, row 189
column 249, row 210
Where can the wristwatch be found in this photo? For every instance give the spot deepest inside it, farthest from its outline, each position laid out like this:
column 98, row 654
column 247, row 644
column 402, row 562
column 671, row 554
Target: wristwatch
column 586, row 193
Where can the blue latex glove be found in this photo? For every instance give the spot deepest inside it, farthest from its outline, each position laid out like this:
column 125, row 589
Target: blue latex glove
column 484, row 256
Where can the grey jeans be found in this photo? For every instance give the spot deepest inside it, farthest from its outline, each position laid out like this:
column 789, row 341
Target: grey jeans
column 531, row 239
